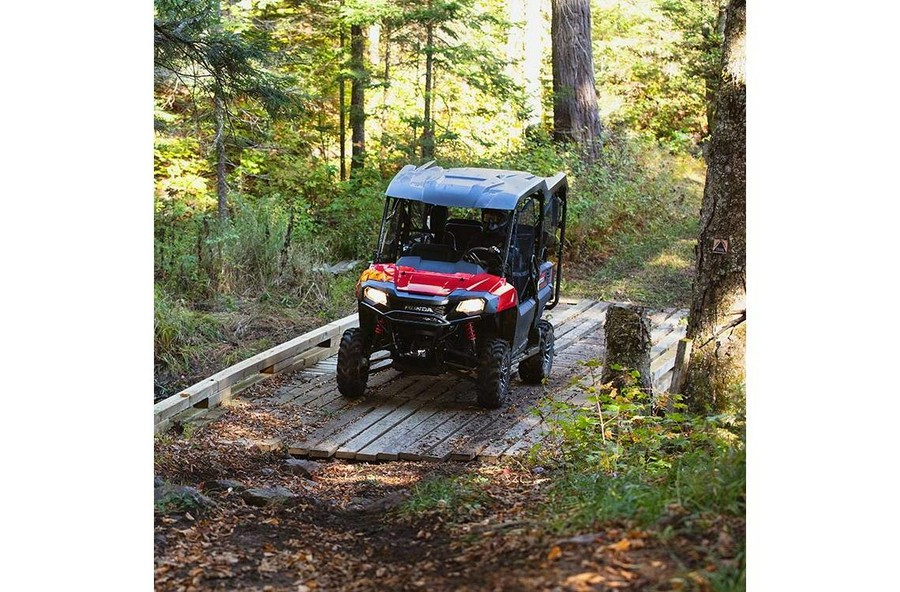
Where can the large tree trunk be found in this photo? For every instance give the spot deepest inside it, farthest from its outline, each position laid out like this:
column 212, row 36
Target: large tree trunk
column 718, row 306
column 357, row 98
column 428, row 132
column 575, row 114
column 221, row 182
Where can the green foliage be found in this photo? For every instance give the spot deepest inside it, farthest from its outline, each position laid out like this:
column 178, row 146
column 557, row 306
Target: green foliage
column 178, row 332
column 625, row 458
column 657, row 64
column 448, row 495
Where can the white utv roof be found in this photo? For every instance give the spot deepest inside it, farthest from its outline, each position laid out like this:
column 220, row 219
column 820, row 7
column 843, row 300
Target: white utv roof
column 469, row 187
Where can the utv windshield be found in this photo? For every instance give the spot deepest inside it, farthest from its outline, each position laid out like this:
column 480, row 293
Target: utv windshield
column 443, row 239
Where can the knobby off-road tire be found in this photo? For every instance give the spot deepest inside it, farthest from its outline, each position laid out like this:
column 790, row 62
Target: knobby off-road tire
column 494, row 370
column 536, row 368
column 353, row 364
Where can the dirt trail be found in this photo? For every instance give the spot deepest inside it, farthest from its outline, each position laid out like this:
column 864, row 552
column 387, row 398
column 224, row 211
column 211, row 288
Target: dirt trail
column 350, row 529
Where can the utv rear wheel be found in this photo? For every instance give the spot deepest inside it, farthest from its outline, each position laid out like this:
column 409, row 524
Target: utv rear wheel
column 494, row 371
column 353, row 364
column 536, row 368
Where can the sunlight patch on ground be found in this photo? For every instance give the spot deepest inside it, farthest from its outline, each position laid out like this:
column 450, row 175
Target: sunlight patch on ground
column 674, row 259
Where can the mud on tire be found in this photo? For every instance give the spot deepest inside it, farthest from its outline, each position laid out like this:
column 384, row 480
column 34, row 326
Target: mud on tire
column 352, row 364
column 536, row 368
column 493, row 373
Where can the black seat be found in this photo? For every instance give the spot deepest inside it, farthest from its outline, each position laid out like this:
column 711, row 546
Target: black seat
column 461, row 232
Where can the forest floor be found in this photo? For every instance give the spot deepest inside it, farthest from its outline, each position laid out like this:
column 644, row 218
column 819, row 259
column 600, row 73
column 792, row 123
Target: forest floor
column 338, row 525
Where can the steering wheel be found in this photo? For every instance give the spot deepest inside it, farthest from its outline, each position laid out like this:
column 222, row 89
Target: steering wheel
column 484, row 257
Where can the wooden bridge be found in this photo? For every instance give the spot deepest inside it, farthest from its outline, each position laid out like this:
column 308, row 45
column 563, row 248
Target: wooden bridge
column 415, row 417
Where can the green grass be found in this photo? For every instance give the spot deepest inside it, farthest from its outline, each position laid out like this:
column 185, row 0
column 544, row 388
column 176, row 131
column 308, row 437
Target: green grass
column 634, row 225
column 702, row 482
column 446, row 494
column 655, row 270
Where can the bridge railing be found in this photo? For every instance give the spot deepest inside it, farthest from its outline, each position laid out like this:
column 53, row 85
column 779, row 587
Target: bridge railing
column 298, row 353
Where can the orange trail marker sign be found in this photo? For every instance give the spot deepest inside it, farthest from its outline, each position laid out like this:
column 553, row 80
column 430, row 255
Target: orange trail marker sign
column 719, row 246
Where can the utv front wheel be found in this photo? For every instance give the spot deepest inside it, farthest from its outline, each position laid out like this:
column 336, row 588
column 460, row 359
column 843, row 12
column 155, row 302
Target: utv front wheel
column 536, row 368
column 353, row 364
column 493, row 373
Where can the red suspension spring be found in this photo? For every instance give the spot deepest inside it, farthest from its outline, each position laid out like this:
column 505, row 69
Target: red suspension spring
column 379, row 327
column 470, row 331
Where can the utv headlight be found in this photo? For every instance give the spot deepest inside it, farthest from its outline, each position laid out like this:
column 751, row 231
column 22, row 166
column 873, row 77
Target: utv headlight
column 470, row 306
column 375, row 296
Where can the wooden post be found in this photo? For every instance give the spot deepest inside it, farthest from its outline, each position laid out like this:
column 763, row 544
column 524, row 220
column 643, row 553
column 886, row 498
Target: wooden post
column 682, row 359
column 628, row 345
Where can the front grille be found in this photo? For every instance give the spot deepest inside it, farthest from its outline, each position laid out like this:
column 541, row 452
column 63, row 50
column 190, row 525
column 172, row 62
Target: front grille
column 439, row 310
column 411, row 316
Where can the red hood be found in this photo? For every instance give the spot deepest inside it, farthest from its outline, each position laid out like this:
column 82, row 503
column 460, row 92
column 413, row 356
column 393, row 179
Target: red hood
column 416, row 281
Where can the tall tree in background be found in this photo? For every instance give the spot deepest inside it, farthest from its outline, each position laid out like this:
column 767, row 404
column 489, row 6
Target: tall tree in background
column 342, row 105
column 191, row 46
column 701, row 24
column 428, row 132
column 718, row 307
column 359, row 81
column 443, row 30
column 575, row 114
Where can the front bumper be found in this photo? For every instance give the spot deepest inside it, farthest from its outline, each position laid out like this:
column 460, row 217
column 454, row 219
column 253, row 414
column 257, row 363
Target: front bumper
column 422, row 309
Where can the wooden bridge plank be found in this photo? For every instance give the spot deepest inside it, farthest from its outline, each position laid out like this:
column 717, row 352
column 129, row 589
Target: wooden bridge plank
column 442, row 425
column 494, row 447
column 326, row 440
column 668, row 332
column 464, row 445
column 353, row 447
column 216, row 387
column 355, row 409
column 330, row 445
column 590, row 321
column 424, row 420
column 561, row 314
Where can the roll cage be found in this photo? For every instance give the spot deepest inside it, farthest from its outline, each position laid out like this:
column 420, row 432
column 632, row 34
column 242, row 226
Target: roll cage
column 437, row 214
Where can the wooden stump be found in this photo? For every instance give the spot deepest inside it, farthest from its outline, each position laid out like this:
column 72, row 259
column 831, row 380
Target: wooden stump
column 628, row 348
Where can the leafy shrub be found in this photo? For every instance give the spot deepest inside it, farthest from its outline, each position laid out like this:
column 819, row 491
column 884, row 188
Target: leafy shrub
column 178, row 332
column 625, row 458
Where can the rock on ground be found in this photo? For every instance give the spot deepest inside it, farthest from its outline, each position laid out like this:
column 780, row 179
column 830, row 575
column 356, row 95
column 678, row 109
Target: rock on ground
column 168, row 499
column 308, row 469
column 264, row 496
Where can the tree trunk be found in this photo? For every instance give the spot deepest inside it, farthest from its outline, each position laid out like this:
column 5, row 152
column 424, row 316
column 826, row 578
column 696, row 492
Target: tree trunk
column 718, row 306
column 386, row 82
column 221, row 184
column 711, row 83
column 357, row 98
column 575, row 114
column 286, row 245
column 627, row 332
column 342, row 108
column 428, row 131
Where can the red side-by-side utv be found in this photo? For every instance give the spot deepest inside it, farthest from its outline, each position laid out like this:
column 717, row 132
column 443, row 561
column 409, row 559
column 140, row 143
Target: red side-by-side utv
column 467, row 261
